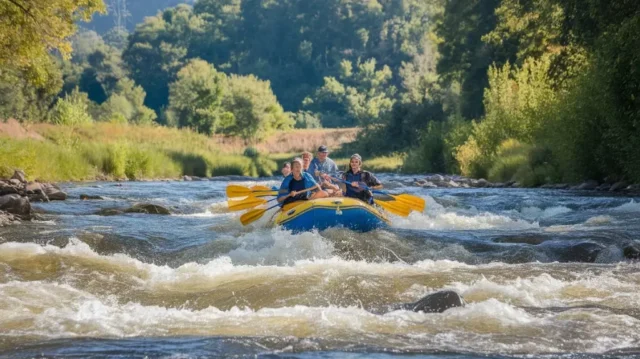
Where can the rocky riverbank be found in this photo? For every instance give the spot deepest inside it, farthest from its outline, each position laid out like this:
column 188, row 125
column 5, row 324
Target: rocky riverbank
column 440, row 181
column 17, row 194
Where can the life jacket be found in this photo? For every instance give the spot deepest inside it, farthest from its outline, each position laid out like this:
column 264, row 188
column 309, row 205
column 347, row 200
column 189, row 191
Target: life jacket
column 296, row 185
column 359, row 193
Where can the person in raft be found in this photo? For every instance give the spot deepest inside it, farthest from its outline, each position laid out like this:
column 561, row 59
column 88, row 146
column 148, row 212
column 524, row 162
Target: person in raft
column 286, row 169
column 294, row 185
column 307, row 157
column 355, row 176
column 322, row 168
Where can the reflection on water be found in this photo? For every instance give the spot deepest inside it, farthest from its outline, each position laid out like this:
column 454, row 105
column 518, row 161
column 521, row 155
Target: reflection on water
column 544, row 273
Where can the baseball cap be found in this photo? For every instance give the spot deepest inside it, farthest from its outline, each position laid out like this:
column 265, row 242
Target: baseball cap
column 323, row 148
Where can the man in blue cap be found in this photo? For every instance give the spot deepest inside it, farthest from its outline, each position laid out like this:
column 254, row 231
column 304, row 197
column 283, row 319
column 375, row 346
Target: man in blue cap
column 322, row 167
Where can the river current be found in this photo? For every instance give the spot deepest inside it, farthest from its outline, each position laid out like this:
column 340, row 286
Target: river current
column 543, row 273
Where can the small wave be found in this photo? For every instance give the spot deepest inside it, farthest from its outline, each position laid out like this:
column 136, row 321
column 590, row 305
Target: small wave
column 51, row 310
column 535, row 213
column 458, row 221
column 631, row 206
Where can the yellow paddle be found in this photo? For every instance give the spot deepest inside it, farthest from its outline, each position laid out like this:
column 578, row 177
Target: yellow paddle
column 414, row 202
column 397, row 208
column 246, row 203
column 234, row 191
column 255, row 214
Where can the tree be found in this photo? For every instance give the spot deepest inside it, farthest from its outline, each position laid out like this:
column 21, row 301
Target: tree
column 195, row 98
column 256, row 111
column 358, row 97
column 32, row 28
column 127, row 101
column 158, row 49
column 465, row 58
column 25, row 102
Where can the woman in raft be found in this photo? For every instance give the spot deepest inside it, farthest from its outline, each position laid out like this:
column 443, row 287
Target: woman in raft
column 294, row 185
column 354, row 176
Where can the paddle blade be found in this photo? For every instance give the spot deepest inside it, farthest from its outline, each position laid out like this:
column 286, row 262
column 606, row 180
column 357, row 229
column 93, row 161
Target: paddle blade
column 251, row 216
column 264, row 194
column 234, row 191
column 395, row 207
column 247, row 203
column 238, row 191
column 261, row 188
column 414, row 202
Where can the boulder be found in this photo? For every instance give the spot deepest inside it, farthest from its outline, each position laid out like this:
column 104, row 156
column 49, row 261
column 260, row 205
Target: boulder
column 435, row 178
column 53, row 192
column 618, row 186
column 633, row 188
column 451, row 184
column 7, row 219
column 428, row 184
column 35, row 193
column 17, row 205
column 109, row 212
column 19, row 176
column 147, row 208
column 603, row 187
column 437, row 302
column 583, row 252
column 632, row 251
column 481, row 183
column 187, row 178
column 7, row 188
column 16, row 183
column 85, row 197
column 588, row 185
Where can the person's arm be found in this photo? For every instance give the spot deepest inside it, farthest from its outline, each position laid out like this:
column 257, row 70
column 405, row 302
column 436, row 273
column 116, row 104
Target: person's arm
column 373, row 182
column 283, row 193
column 310, row 182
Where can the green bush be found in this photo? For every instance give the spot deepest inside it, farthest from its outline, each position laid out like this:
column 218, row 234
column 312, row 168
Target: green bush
column 251, row 152
column 72, row 110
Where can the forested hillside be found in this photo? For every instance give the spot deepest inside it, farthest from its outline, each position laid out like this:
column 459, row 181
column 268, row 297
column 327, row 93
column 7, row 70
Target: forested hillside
column 533, row 91
column 126, row 14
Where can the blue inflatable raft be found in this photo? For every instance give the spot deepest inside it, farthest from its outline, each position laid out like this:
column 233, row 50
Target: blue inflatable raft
column 325, row 213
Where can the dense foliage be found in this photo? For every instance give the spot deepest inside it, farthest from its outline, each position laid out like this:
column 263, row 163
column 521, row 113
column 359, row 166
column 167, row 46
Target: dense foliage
column 528, row 90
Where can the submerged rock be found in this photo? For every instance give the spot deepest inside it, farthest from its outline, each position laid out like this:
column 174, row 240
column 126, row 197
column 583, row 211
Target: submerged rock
column 436, row 302
column 632, row 251
column 110, row 212
column 147, row 208
column 90, row 197
column 583, row 252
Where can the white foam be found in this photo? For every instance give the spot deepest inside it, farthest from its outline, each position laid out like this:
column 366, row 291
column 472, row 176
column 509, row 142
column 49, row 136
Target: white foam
column 458, row 221
column 631, row 206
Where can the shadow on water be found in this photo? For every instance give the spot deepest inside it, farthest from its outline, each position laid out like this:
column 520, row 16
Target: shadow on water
column 242, row 347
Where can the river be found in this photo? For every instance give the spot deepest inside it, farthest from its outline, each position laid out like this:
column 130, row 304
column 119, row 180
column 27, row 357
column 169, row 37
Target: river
column 543, row 273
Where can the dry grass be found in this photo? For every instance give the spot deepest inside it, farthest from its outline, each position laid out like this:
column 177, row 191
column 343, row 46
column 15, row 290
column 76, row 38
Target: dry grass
column 294, row 141
column 13, row 129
